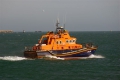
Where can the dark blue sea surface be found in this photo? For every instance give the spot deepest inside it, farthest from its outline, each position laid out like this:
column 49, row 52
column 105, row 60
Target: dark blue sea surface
column 104, row 65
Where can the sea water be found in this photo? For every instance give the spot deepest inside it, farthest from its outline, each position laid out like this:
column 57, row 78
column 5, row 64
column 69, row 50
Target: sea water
column 103, row 65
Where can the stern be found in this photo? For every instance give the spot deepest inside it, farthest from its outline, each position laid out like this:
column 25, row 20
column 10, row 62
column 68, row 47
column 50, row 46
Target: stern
column 30, row 54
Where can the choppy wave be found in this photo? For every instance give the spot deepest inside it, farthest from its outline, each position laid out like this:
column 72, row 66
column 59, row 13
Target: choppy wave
column 12, row 58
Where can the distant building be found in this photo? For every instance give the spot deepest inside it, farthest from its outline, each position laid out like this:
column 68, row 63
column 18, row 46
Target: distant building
column 6, row 31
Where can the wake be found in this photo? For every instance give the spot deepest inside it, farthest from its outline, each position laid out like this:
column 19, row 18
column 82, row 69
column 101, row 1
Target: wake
column 93, row 56
column 49, row 57
column 96, row 56
column 13, row 58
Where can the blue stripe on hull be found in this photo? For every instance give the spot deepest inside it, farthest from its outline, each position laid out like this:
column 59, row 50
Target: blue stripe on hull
column 83, row 54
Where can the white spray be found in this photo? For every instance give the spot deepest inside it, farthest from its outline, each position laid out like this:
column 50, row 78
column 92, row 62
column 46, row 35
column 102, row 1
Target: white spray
column 12, row 58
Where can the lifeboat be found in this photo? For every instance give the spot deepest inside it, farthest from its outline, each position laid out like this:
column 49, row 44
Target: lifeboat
column 59, row 44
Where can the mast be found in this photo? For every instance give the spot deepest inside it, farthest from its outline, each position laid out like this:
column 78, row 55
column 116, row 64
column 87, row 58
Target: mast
column 57, row 24
column 58, row 28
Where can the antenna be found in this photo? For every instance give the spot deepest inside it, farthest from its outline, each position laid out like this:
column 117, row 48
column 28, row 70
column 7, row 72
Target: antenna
column 57, row 22
column 64, row 21
column 64, row 26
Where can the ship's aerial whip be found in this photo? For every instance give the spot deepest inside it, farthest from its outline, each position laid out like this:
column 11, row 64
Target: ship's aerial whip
column 64, row 22
column 57, row 22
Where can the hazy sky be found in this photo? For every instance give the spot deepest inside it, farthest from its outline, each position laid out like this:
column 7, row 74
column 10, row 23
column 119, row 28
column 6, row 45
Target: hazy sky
column 79, row 15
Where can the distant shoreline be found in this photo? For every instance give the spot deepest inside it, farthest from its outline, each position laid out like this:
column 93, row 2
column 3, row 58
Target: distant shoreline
column 11, row 31
column 6, row 31
column 47, row 31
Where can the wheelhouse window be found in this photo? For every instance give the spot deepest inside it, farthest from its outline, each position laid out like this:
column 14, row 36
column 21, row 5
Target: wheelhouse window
column 44, row 40
column 71, row 41
column 67, row 41
column 74, row 40
column 59, row 42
